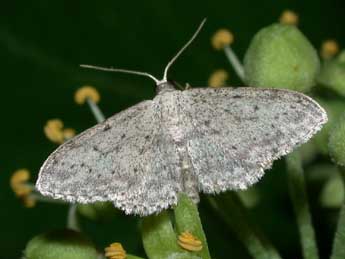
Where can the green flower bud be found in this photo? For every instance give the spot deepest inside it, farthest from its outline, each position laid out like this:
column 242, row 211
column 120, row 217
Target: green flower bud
column 336, row 142
column 332, row 194
column 280, row 56
column 332, row 74
column 101, row 211
column 334, row 109
column 62, row 244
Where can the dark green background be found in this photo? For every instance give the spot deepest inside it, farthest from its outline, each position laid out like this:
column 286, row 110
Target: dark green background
column 43, row 42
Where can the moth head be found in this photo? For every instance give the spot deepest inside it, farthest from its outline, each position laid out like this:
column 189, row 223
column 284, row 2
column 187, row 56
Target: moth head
column 162, row 84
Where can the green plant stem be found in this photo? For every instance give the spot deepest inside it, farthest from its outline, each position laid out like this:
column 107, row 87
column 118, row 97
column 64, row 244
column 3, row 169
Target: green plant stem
column 187, row 219
column 234, row 61
column 338, row 250
column 233, row 213
column 96, row 111
column 72, row 218
column 300, row 203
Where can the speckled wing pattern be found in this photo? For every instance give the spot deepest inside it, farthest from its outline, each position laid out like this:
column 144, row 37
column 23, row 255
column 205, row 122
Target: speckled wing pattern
column 238, row 133
column 198, row 140
column 126, row 159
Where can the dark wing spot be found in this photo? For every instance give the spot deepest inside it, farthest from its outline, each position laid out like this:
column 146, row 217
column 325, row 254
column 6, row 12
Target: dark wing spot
column 113, row 172
column 207, row 123
column 106, row 127
column 233, row 147
column 256, row 108
column 147, row 137
column 95, row 148
column 285, row 113
column 90, row 170
column 272, row 126
column 82, row 165
column 135, row 170
column 123, row 136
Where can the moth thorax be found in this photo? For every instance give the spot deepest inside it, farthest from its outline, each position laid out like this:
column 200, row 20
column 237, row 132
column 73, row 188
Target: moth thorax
column 164, row 87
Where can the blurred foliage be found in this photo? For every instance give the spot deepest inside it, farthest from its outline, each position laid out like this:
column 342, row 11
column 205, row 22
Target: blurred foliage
column 42, row 44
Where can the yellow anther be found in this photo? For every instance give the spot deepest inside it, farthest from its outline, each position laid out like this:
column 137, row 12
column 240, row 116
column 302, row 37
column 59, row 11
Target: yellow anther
column 289, row 17
column 222, row 38
column 18, row 182
column 68, row 133
column 189, row 242
column 329, row 48
column 86, row 92
column 29, row 201
column 19, row 185
column 53, row 130
column 218, row 78
column 55, row 124
column 115, row 251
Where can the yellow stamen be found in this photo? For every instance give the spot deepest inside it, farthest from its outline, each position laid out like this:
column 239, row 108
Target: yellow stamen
column 218, row 78
column 222, row 38
column 29, row 201
column 55, row 124
column 86, row 92
column 20, row 176
column 289, row 17
column 18, row 182
column 329, row 48
column 20, row 187
column 189, row 242
column 68, row 133
column 115, row 251
column 53, row 131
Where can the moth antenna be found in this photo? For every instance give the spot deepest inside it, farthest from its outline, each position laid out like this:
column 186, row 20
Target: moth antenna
column 123, row 71
column 181, row 51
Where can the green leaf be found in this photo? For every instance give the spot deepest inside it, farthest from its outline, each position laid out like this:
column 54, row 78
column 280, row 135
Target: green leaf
column 187, row 219
column 159, row 238
column 300, row 203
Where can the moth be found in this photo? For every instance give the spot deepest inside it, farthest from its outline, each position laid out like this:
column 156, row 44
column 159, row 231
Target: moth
column 197, row 140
